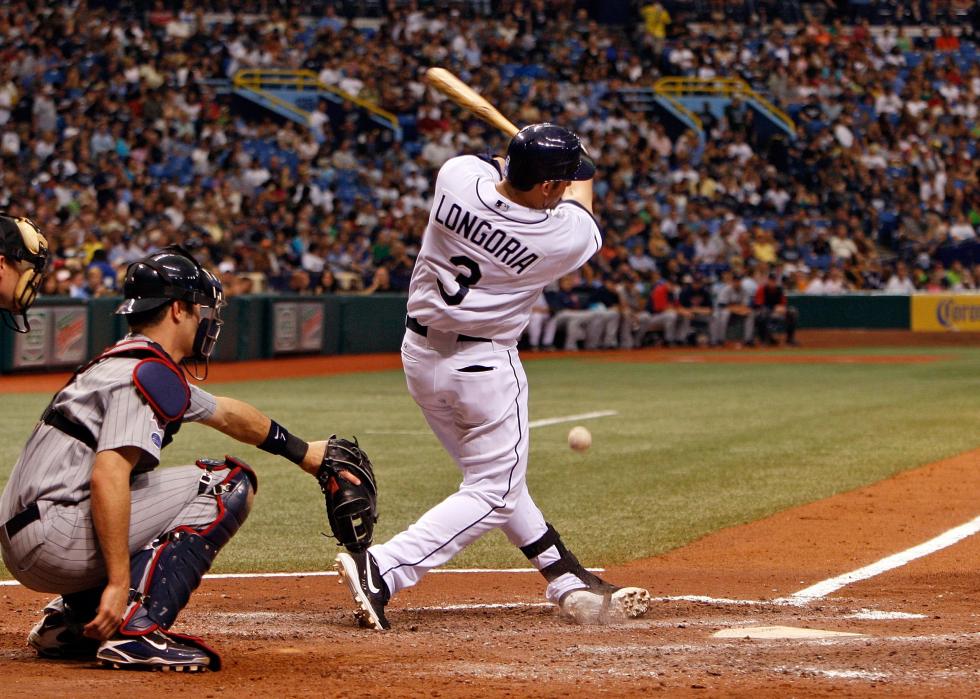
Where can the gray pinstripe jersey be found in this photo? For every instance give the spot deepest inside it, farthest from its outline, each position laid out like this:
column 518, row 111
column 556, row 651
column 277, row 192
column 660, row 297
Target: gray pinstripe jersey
column 58, row 468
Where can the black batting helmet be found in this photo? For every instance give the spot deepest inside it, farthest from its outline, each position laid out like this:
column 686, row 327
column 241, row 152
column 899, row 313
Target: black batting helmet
column 544, row 153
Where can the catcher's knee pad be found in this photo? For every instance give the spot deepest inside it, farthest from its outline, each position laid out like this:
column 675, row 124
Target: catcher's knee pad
column 169, row 569
column 566, row 563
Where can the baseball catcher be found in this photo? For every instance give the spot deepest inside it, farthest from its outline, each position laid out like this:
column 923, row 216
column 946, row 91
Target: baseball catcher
column 135, row 540
column 352, row 508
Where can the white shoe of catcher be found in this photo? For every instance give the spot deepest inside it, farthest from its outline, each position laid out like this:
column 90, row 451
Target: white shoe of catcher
column 592, row 607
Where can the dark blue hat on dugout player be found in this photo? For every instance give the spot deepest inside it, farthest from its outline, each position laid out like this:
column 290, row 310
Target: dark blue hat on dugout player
column 545, row 153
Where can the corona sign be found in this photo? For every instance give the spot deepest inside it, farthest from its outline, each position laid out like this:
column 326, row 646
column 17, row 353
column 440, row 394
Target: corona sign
column 946, row 312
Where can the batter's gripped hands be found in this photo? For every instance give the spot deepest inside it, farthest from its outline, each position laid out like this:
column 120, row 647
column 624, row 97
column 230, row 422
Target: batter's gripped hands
column 115, row 599
column 314, row 458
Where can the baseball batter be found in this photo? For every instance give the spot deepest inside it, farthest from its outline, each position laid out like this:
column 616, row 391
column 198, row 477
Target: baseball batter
column 86, row 514
column 23, row 257
column 498, row 232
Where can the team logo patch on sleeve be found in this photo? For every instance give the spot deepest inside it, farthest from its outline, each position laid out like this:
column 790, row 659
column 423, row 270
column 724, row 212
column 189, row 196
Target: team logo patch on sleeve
column 157, row 440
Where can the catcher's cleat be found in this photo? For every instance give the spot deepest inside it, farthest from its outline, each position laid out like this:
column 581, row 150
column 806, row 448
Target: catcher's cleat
column 363, row 579
column 153, row 651
column 57, row 638
column 591, row 606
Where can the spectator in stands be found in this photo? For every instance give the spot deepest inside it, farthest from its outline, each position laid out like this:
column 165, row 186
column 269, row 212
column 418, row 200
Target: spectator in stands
column 108, row 278
column 961, row 230
column 326, row 283
column 900, row 282
column 380, row 282
column 299, row 282
column 400, row 267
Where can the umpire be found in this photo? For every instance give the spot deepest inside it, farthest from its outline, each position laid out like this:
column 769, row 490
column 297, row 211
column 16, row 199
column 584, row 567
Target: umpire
column 23, row 257
column 86, row 513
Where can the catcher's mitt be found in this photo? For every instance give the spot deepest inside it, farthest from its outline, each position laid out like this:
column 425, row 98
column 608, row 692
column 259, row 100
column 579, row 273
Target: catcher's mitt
column 352, row 509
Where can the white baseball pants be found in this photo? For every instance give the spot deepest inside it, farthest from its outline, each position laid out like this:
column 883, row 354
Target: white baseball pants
column 474, row 397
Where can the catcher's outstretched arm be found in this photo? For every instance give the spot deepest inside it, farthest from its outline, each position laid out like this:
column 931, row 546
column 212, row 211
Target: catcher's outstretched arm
column 246, row 423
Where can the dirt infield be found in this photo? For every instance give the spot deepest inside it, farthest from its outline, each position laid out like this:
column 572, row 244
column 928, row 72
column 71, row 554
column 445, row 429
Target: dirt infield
column 294, row 636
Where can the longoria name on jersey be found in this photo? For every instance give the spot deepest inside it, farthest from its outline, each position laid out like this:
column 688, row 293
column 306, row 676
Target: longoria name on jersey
column 499, row 244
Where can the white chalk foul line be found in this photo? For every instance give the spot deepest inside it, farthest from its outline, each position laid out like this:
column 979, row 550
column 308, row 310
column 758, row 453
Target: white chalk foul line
column 710, row 600
column 477, row 607
column 571, row 418
column 330, row 573
column 947, row 538
column 545, row 422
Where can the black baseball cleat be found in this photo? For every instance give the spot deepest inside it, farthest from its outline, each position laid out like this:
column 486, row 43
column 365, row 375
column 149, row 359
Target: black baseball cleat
column 153, row 651
column 363, row 579
column 56, row 636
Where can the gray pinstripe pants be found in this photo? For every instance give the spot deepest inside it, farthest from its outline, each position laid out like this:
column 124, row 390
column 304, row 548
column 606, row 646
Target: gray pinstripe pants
column 60, row 551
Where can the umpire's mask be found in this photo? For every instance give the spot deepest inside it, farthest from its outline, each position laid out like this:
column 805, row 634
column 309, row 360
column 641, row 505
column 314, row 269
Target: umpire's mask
column 22, row 244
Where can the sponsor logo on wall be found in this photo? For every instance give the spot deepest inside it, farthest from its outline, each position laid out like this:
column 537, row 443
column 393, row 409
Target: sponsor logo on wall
column 946, row 312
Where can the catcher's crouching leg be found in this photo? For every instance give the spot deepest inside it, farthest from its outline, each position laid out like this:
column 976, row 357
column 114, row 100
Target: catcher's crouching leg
column 169, row 569
column 581, row 596
column 59, row 633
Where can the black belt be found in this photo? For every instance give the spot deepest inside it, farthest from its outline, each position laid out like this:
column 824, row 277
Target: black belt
column 29, row 514
column 417, row 327
column 60, row 421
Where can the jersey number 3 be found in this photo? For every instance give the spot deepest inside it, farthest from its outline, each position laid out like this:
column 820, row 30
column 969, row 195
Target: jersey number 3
column 464, row 279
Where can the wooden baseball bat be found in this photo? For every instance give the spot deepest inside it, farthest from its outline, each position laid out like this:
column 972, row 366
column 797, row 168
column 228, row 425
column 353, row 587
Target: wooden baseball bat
column 468, row 98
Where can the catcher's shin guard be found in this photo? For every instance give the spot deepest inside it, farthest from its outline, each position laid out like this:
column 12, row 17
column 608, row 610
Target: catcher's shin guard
column 165, row 573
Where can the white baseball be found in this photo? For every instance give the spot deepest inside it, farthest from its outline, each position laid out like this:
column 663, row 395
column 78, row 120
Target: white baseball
column 579, row 438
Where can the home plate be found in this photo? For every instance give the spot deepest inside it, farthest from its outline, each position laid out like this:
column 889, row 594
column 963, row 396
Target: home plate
column 781, row 632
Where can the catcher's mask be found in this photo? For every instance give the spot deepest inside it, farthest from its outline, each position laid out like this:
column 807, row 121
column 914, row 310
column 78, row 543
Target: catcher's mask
column 23, row 245
column 172, row 274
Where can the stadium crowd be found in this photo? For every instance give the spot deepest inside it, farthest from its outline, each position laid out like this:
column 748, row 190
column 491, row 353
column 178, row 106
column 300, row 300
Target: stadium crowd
column 116, row 138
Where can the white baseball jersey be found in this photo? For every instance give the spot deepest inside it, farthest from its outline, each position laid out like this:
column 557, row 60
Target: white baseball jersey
column 485, row 259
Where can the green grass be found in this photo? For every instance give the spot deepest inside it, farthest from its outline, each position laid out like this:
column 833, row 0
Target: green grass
column 695, row 447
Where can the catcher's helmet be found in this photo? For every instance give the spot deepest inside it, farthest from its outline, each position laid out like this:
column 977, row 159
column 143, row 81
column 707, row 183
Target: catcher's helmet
column 170, row 274
column 546, row 152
